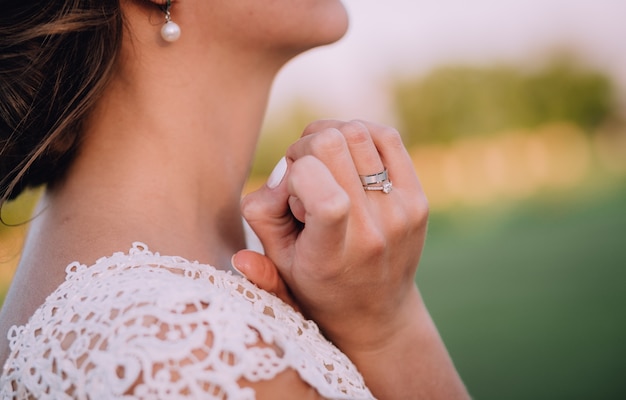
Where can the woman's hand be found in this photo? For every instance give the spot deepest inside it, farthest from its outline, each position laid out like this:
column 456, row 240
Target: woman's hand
column 348, row 256
column 260, row 270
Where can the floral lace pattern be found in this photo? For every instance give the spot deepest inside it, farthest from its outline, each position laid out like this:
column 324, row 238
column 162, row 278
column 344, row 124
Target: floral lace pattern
column 141, row 325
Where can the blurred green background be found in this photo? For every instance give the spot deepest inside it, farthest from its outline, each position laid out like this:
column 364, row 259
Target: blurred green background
column 524, row 268
column 525, row 262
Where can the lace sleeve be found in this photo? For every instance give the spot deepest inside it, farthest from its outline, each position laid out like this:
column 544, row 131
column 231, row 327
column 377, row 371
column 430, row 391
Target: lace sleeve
column 144, row 326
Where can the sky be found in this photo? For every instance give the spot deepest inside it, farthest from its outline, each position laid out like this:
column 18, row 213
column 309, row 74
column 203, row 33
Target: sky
column 390, row 38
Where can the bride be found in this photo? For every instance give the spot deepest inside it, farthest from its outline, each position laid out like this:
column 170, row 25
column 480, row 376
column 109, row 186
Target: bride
column 142, row 117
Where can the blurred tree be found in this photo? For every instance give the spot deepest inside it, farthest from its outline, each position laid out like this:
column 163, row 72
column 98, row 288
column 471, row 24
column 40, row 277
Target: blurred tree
column 564, row 92
column 457, row 101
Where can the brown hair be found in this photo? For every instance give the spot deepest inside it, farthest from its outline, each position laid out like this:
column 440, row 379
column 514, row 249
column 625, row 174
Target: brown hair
column 56, row 57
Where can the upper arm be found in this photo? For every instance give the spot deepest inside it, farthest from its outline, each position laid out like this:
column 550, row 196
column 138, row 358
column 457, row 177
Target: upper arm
column 212, row 367
column 287, row 385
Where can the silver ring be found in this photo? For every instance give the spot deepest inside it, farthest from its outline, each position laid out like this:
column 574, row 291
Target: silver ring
column 374, row 178
column 386, row 187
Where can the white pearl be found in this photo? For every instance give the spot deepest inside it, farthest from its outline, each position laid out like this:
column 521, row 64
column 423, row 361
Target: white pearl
column 170, row 32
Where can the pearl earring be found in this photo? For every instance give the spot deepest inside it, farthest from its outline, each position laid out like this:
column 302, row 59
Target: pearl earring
column 170, row 31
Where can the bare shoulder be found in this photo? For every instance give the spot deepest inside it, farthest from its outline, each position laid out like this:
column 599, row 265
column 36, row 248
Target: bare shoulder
column 36, row 277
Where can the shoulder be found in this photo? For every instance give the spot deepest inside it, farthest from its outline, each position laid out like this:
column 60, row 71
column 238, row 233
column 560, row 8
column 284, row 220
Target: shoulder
column 147, row 325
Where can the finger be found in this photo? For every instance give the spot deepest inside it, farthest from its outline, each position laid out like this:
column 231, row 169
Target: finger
column 387, row 141
column 327, row 208
column 362, row 148
column 261, row 271
column 358, row 138
column 297, row 209
column 413, row 205
column 330, row 147
column 267, row 212
column 394, row 156
column 321, row 125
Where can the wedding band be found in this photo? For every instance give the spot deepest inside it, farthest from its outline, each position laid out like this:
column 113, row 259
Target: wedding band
column 379, row 181
column 374, row 178
column 385, row 187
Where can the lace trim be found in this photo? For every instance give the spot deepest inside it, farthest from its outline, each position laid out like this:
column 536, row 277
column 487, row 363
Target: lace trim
column 142, row 325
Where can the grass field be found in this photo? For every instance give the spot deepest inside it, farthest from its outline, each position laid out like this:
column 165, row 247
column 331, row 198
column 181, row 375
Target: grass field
column 531, row 301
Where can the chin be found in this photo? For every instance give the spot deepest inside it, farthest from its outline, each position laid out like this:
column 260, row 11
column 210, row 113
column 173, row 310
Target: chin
column 278, row 27
column 326, row 25
column 334, row 25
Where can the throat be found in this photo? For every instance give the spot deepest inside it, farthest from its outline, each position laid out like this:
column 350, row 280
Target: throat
column 94, row 225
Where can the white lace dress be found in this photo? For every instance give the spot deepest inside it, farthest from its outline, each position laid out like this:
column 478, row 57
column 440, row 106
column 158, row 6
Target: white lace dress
column 145, row 326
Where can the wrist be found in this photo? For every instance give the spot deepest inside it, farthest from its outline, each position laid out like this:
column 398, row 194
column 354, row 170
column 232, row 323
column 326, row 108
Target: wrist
column 375, row 331
column 405, row 357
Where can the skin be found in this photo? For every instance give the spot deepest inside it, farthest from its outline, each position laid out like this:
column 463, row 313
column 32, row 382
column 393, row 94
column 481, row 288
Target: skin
column 351, row 267
column 172, row 116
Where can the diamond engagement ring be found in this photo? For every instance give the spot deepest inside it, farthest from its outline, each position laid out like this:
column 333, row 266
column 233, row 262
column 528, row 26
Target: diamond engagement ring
column 385, row 187
column 379, row 181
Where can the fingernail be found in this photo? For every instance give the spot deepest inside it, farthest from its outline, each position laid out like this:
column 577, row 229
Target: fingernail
column 277, row 175
column 232, row 264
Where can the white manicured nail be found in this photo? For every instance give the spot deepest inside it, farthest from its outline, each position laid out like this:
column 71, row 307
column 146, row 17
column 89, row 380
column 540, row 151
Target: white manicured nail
column 232, row 264
column 277, row 175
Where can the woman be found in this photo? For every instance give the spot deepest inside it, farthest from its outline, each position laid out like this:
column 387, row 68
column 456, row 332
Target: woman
column 147, row 135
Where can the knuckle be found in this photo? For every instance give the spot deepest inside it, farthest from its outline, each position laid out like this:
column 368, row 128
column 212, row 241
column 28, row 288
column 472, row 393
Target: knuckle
column 391, row 136
column 303, row 165
column 315, row 126
column 418, row 213
column 355, row 132
column 328, row 142
column 377, row 242
column 253, row 208
column 397, row 221
column 335, row 208
column 406, row 220
column 250, row 207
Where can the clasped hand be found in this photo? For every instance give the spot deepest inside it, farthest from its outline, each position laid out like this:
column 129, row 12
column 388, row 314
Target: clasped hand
column 345, row 257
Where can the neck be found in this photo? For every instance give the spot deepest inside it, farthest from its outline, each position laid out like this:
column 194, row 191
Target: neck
column 164, row 161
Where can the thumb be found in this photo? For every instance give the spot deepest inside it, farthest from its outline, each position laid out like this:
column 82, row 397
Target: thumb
column 267, row 212
column 261, row 271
